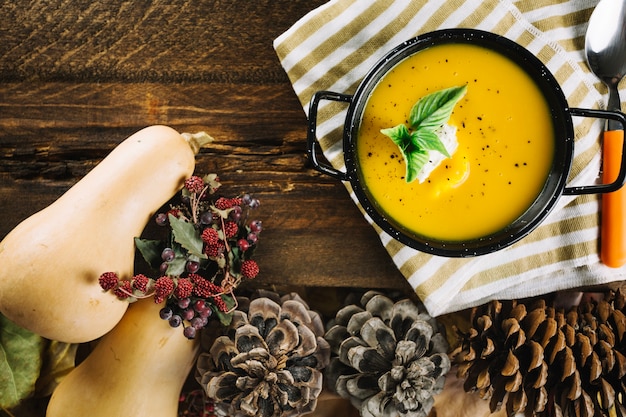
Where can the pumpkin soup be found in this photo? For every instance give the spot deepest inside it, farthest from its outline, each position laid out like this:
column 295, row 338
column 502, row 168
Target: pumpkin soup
column 505, row 144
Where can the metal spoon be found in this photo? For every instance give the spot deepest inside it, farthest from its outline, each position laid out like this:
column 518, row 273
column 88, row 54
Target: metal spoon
column 605, row 49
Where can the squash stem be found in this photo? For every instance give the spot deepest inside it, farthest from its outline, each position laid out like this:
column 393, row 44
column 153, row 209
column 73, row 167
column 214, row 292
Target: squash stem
column 197, row 140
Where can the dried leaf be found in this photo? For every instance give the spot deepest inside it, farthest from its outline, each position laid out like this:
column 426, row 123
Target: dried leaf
column 58, row 360
column 20, row 362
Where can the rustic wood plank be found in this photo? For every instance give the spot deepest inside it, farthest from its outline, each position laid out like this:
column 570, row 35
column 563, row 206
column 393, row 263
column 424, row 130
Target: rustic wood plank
column 56, row 123
column 165, row 41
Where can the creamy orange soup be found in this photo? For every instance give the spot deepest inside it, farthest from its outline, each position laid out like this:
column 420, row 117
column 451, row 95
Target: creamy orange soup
column 505, row 136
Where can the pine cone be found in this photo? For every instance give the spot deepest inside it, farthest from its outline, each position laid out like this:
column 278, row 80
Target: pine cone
column 390, row 357
column 270, row 361
column 544, row 361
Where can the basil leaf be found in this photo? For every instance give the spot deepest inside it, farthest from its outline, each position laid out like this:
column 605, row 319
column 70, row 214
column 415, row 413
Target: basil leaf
column 428, row 140
column 432, row 111
column 415, row 161
column 426, row 116
column 402, row 138
column 399, row 135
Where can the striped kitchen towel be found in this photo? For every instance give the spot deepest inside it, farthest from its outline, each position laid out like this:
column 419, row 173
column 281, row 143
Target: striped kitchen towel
column 333, row 47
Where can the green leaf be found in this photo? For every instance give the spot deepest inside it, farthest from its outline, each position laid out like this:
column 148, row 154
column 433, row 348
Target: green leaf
column 222, row 213
column 426, row 116
column 433, row 111
column 415, row 161
column 399, row 135
column 20, row 362
column 411, row 147
column 428, row 140
column 226, row 318
column 151, row 251
column 185, row 233
column 176, row 267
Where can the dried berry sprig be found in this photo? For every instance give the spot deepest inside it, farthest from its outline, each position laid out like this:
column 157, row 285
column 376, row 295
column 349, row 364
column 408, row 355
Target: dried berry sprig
column 206, row 256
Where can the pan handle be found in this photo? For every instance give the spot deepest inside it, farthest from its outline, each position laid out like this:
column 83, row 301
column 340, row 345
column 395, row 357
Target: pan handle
column 621, row 177
column 312, row 132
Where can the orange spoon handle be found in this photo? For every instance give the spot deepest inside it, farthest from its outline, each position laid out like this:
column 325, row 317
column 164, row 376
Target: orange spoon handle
column 613, row 220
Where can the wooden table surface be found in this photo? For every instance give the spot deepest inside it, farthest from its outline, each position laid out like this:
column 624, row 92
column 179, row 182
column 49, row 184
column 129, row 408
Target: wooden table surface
column 78, row 77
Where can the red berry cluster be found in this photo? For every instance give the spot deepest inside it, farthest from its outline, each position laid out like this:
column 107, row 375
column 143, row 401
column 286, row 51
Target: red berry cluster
column 223, row 203
column 194, row 184
column 193, row 283
column 189, row 300
column 137, row 287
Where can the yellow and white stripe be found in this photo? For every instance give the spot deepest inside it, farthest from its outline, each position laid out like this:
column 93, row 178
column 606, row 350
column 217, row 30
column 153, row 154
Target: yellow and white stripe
column 334, row 46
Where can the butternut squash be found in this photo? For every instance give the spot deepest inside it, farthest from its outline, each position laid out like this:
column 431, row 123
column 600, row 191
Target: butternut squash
column 52, row 260
column 138, row 369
